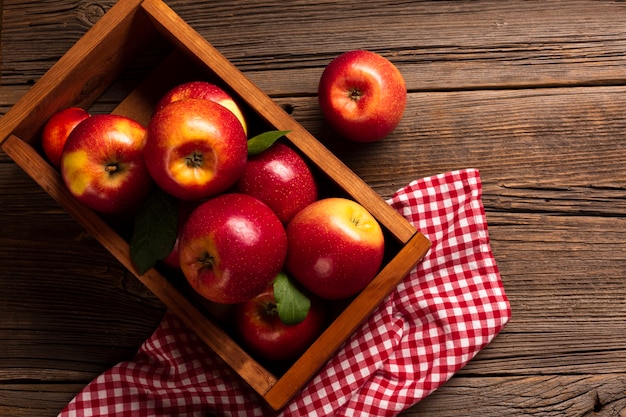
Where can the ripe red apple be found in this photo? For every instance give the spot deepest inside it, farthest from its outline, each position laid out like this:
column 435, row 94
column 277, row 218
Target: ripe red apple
column 362, row 95
column 195, row 148
column 336, row 247
column 281, row 179
column 102, row 163
column 266, row 336
column 57, row 129
column 206, row 91
column 231, row 248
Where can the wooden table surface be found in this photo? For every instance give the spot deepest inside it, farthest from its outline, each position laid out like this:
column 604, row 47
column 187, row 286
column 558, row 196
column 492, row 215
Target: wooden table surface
column 533, row 94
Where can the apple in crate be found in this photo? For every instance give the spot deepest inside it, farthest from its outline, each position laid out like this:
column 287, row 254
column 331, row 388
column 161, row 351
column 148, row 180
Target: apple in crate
column 362, row 95
column 203, row 90
column 195, row 148
column 231, row 248
column 281, row 179
column 336, row 247
column 266, row 336
column 102, row 164
column 56, row 131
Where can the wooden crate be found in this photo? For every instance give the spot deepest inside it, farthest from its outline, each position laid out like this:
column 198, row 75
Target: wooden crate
column 88, row 70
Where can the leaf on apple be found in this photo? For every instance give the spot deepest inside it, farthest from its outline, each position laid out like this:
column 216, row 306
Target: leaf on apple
column 154, row 230
column 292, row 305
column 264, row 140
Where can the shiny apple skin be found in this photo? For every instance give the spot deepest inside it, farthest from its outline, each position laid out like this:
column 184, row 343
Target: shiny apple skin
column 231, row 248
column 206, row 91
column 195, row 127
column 265, row 336
column 336, row 248
column 281, row 179
column 56, row 131
column 102, row 164
column 382, row 95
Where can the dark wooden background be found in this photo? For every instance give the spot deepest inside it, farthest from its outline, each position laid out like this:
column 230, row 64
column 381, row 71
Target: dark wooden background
column 531, row 93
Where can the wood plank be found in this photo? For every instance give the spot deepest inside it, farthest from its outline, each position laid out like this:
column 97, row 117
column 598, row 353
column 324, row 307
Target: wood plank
column 444, row 45
column 505, row 44
column 546, row 396
column 537, row 140
column 600, row 396
column 35, row 400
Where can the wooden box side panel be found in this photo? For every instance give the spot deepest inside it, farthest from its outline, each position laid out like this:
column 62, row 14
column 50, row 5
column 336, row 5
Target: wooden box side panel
column 84, row 72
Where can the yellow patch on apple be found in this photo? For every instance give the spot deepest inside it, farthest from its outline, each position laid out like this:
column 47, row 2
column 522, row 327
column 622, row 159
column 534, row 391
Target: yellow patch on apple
column 73, row 162
column 362, row 226
column 232, row 106
column 193, row 170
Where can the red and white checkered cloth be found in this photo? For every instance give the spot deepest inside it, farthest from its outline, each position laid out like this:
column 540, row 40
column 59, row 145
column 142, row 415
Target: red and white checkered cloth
column 444, row 312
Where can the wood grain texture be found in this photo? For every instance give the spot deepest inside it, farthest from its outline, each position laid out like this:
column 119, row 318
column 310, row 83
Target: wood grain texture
column 545, row 396
column 530, row 93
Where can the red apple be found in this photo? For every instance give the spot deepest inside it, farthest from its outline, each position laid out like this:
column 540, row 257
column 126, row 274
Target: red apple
column 362, row 95
column 231, row 248
column 195, row 149
column 206, row 91
column 281, row 179
column 336, row 248
column 264, row 334
column 102, row 163
column 57, row 129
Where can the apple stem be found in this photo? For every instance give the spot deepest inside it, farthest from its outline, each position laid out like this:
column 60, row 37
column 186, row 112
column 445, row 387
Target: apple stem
column 355, row 94
column 194, row 160
column 111, row 168
column 271, row 309
column 206, row 260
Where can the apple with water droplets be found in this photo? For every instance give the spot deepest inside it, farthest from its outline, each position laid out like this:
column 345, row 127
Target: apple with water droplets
column 195, row 149
column 56, row 131
column 231, row 248
column 281, row 178
column 206, row 91
column 362, row 95
column 336, row 248
column 266, row 336
column 102, row 164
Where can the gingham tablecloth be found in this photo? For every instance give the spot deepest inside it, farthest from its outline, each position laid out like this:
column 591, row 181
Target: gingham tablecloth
column 444, row 312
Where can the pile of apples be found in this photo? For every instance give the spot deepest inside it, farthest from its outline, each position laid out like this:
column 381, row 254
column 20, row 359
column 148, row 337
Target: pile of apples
column 240, row 217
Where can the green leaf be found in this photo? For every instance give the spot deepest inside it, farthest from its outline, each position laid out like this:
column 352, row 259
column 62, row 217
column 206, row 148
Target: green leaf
column 154, row 231
column 292, row 305
column 264, row 140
